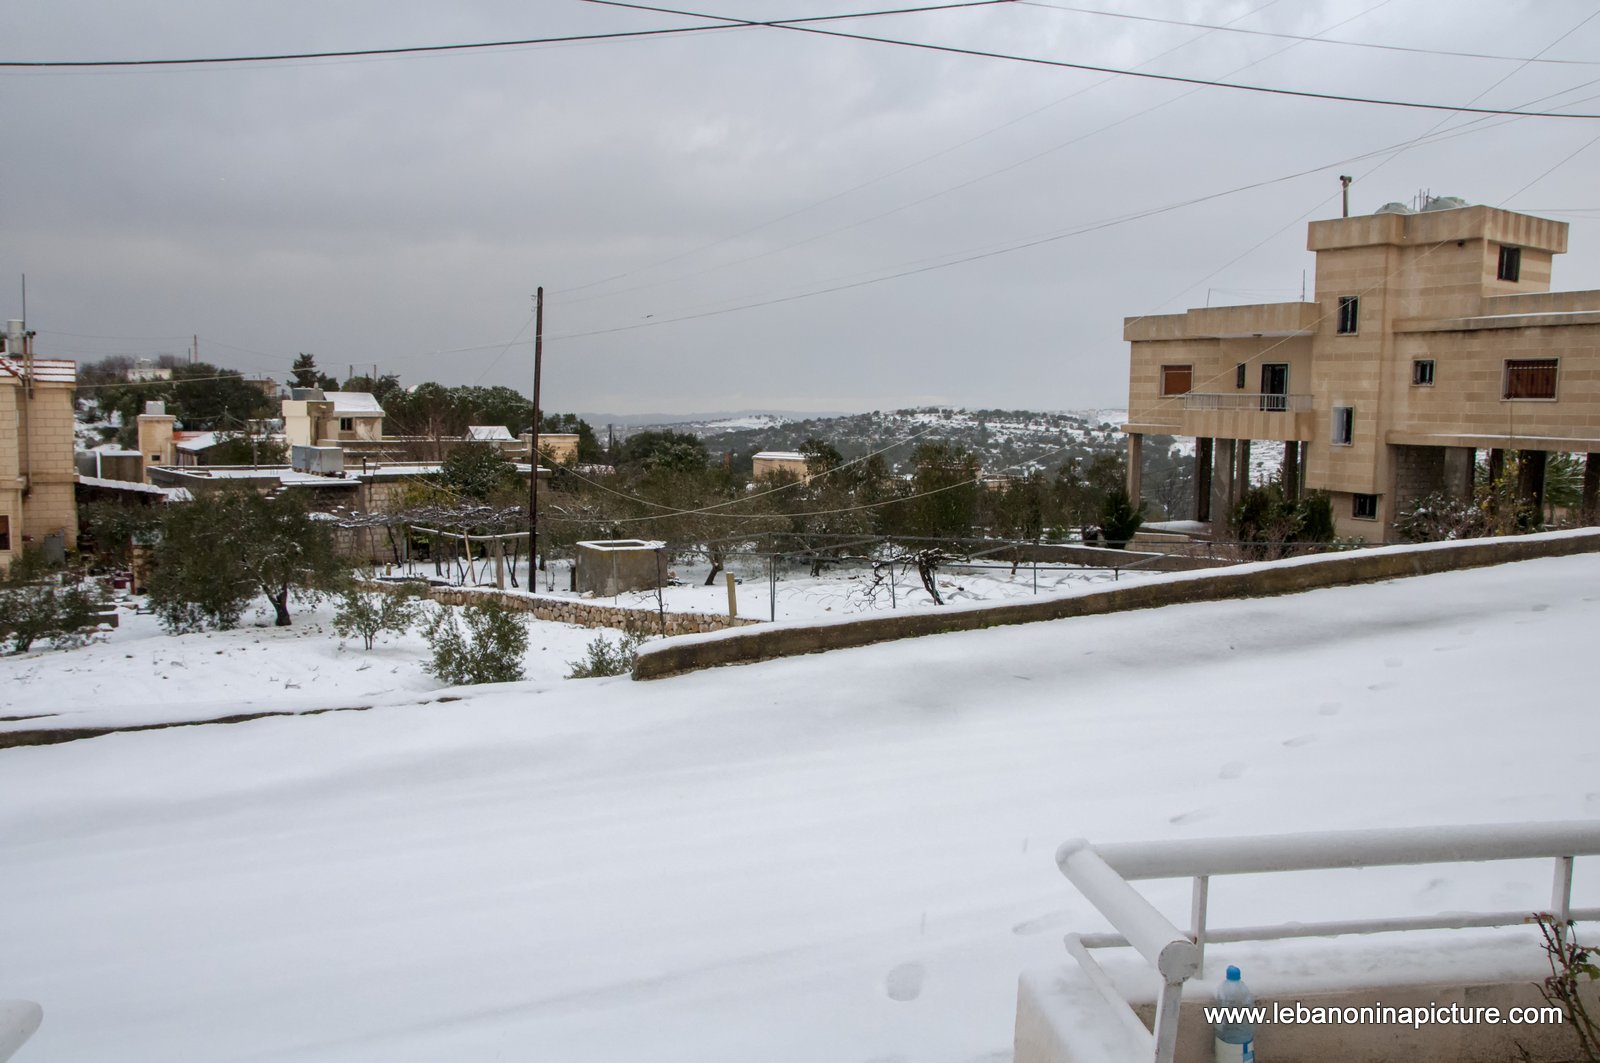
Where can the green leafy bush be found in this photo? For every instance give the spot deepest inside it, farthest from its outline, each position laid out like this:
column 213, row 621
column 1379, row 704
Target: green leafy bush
column 37, row 605
column 485, row 645
column 1119, row 520
column 605, row 657
column 369, row 613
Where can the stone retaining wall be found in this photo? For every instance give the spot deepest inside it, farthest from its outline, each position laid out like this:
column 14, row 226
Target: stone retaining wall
column 1249, row 581
column 583, row 614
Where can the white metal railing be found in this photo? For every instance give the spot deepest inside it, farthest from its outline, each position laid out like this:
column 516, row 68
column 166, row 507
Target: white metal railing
column 1102, row 874
column 1246, row 400
column 18, row 1020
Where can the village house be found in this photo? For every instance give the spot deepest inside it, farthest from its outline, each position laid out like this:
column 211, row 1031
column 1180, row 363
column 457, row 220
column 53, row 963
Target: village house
column 1431, row 337
column 37, row 470
column 770, row 463
column 313, row 418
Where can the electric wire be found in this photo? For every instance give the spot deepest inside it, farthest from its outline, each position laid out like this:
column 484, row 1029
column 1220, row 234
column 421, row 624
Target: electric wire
column 435, row 49
column 1333, row 97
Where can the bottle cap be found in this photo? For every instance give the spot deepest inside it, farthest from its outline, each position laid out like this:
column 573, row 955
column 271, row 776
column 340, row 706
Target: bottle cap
column 1233, row 973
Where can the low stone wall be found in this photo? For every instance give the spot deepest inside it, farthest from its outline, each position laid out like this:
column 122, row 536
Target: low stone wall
column 1246, row 581
column 583, row 614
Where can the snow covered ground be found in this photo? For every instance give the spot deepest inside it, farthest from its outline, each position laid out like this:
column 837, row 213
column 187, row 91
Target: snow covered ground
column 139, row 674
column 838, row 857
column 842, row 591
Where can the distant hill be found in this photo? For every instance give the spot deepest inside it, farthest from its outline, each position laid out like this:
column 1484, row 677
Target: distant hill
column 1003, row 440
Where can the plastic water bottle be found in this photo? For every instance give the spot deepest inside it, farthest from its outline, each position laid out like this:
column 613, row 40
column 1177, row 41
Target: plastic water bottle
column 1235, row 1041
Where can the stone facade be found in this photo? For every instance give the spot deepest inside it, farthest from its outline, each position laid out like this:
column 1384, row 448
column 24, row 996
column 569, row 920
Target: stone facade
column 38, row 473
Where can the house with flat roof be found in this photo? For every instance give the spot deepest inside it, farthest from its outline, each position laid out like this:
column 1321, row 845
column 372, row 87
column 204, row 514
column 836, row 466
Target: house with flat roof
column 1432, row 337
column 38, row 474
column 314, row 418
column 770, row 463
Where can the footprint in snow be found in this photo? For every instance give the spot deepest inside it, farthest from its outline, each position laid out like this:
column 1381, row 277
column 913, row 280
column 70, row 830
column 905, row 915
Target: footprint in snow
column 1190, row 816
column 1392, row 662
column 904, row 982
column 1299, row 740
column 1540, row 607
column 1039, row 924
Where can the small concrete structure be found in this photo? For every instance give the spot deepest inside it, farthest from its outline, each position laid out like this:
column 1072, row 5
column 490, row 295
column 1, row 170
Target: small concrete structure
column 770, row 463
column 611, row 566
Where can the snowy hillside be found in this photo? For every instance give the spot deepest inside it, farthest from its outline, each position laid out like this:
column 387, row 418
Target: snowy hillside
column 837, row 857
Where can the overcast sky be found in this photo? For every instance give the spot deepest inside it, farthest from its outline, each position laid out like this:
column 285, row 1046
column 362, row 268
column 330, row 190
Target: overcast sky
column 687, row 201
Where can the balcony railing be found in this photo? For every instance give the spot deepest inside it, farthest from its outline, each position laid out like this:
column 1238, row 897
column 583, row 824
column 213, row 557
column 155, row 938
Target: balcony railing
column 1246, row 400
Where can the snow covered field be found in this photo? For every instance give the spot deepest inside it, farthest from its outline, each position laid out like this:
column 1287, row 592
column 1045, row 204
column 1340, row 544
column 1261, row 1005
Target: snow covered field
column 838, row 857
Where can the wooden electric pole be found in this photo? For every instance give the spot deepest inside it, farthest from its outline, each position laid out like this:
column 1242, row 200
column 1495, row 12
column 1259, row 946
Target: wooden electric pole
column 533, row 445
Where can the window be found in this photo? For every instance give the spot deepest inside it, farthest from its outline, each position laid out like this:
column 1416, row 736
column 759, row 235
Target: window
column 1530, row 378
column 1238, row 377
column 1422, row 372
column 5, row 533
column 347, row 424
column 155, row 459
column 1349, row 314
column 1176, row 379
column 1510, row 264
column 1364, row 507
column 1344, row 425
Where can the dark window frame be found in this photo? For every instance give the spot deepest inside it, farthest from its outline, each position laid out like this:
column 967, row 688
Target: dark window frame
column 1510, row 268
column 1173, row 369
column 1344, row 425
column 1358, row 503
column 5, row 532
column 347, row 424
column 1422, row 372
column 1238, row 377
column 1348, row 322
column 1530, row 379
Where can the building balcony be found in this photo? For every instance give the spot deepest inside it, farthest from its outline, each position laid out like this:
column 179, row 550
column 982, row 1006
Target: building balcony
column 1247, row 415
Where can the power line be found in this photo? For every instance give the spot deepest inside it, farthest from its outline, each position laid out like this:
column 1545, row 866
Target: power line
column 1095, row 69
column 435, row 49
column 1229, row 28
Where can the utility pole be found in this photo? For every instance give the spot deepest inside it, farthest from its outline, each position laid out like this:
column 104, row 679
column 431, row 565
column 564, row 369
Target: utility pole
column 533, row 446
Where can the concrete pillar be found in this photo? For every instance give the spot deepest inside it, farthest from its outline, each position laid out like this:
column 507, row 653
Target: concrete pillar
column 1591, row 489
column 1135, row 467
column 1458, row 466
column 1222, row 483
column 1241, row 479
column 1530, row 481
column 1291, row 470
column 1202, row 479
column 1497, row 472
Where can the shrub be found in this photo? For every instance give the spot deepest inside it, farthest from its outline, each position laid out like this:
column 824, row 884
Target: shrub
column 605, row 657
column 369, row 613
column 35, row 605
column 1119, row 521
column 1267, row 526
column 489, row 650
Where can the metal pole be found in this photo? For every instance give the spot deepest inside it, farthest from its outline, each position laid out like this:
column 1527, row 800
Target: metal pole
column 533, row 441
column 772, row 587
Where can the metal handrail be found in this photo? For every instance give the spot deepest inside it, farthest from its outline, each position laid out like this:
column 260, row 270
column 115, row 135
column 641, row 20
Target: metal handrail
column 1263, row 402
column 1102, row 875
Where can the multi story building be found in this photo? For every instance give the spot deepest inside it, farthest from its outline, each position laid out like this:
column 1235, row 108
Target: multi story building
column 38, row 476
column 1433, row 336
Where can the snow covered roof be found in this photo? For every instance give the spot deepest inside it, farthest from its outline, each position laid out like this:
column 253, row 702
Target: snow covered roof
column 194, row 442
column 45, row 370
column 172, row 494
column 490, row 433
column 353, row 403
column 781, row 455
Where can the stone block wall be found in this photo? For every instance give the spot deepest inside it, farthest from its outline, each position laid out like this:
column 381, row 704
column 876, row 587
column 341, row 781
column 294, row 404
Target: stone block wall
column 582, row 614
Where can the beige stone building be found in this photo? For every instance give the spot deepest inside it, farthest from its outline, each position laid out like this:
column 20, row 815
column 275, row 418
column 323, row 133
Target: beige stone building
column 1432, row 336
column 38, row 475
column 312, row 418
column 770, row 463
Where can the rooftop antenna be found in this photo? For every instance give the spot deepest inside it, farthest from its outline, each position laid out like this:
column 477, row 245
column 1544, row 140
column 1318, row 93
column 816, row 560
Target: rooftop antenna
column 1344, row 188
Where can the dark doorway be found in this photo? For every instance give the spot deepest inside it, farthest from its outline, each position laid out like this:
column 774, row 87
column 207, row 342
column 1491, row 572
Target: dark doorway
column 1274, row 386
